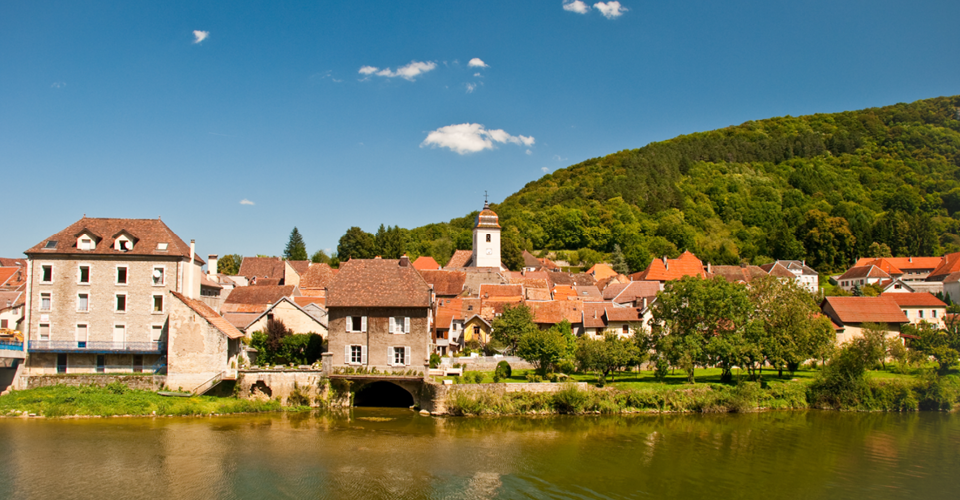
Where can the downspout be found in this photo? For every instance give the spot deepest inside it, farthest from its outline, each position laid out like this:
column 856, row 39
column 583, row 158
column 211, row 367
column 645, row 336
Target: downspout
column 189, row 269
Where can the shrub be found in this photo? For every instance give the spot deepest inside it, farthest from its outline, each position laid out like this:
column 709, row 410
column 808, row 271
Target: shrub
column 503, row 369
column 570, row 399
column 533, row 377
column 297, row 397
column 434, row 360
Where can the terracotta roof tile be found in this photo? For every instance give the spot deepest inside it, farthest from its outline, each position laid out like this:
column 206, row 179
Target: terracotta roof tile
column 673, row 269
column 594, row 314
column 445, row 283
column 904, row 263
column 531, row 261
column 741, row 274
column 624, row 314
column 377, row 283
column 303, row 301
column 601, row 271
column 258, row 295
column 254, row 281
column 318, row 276
column 147, row 235
column 864, row 272
column 885, row 264
column 588, row 293
column 548, row 264
column 459, row 259
column 555, row 311
column 865, row 309
column 564, row 292
column 490, row 290
column 579, row 279
column 300, row 266
column 536, row 293
column 602, row 284
column 210, row 315
column 426, row 263
column 777, row 270
column 630, row 292
column 241, row 320
column 949, row 264
column 921, row 299
column 262, row 267
column 478, row 276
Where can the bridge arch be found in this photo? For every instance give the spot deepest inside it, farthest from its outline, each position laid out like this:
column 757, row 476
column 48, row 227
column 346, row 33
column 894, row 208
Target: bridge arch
column 384, row 393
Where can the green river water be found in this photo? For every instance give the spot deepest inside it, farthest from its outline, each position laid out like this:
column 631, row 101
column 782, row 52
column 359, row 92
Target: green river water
column 392, row 453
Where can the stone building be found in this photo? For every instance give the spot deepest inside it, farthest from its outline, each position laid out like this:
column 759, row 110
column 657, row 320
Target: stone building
column 380, row 315
column 98, row 294
column 202, row 345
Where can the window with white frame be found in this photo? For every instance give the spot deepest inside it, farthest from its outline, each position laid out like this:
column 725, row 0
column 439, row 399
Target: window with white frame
column 83, row 302
column 399, row 356
column 46, row 301
column 158, row 303
column 86, row 243
column 121, row 275
column 83, row 275
column 44, row 329
column 121, row 302
column 934, row 313
column 157, row 275
column 355, row 354
column 46, row 273
column 119, row 333
column 156, row 331
column 81, row 335
column 921, row 313
column 356, row 323
column 399, row 324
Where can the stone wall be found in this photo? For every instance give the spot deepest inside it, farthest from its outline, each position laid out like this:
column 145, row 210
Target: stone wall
column 378, row 338
column 270, row 384
column 139, row 382
column 490, row 365
column 435, row 395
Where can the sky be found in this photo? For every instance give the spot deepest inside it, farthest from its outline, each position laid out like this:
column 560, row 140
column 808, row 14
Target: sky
column 238, row 121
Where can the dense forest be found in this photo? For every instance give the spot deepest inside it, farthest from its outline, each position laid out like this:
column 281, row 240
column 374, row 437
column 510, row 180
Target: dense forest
column 828, row 188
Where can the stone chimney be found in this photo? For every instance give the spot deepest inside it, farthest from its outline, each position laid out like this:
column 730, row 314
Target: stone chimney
column 404, row 261
column 212, row 264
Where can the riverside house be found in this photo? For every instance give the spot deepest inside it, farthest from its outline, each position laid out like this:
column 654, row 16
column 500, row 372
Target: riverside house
column 98, row 294
column 380, row 314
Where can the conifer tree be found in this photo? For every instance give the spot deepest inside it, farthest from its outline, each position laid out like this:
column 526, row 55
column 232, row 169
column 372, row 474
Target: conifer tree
column 296, row 248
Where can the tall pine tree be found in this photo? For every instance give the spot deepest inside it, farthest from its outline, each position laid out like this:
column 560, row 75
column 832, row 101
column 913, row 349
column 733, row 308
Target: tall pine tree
column 296, row 248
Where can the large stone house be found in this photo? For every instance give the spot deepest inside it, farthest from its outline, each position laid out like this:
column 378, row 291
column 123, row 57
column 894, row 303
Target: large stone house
column 98, row 294
column 380, row 314
column 851, row 314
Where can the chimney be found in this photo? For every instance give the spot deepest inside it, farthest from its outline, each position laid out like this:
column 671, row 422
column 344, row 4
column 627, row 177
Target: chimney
column 709, row 268
column 404, row 261
column 212, row 264
column 193, row 255
column 644, row 302
column 664, row 260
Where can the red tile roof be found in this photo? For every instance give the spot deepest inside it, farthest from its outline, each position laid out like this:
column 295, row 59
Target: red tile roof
column 588, row 293
column 629, row 292
column 425, row 263
column 555, row 311
column 673, row 269
column 864, row 272
column 259, row 295
column 318, row 276
column 594, row 314
column 210, row 315
column 912, row 263
column 377, row 283
column 304, row 301
column 739, row 274
column 254, row 281
column 445, row 283
column 262, row 267
column 921, row 299
column 300, row 266
column 864, row 309
column 460, row 258
column 507, row 291
column 624, row 314
column 882, row 263
column 146, row 233
column 564, row 292
column 949, row 265
column 601, row 271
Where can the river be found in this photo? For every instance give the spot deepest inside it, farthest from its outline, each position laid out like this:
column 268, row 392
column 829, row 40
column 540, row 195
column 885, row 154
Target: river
column 393, row 453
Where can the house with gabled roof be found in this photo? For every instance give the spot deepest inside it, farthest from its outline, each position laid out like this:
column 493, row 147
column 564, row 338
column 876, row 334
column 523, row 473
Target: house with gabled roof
column 601, row 319
column 906, row 268
column 634, row 293
column 246, row 303
column 861, row 276
column 426, row 263
column 255, row 269
column 665, row 269
column 920, row 307
column 805, row 275
column 742, row 274
column 445, row 283
column 294, row 316
column 850, row 314
column 203, row 347
column 380, row 315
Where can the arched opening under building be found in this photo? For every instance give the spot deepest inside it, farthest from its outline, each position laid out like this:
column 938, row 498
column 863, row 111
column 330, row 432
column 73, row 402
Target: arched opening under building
column 383, row 394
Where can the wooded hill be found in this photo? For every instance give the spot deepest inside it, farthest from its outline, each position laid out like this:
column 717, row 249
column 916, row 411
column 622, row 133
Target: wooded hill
column 827, row 188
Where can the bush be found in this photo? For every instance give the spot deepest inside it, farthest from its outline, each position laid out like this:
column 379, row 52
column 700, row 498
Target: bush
column 297, row 397
column 570, row 399
column 503, row 370
column 533, row 377
column 434, row 360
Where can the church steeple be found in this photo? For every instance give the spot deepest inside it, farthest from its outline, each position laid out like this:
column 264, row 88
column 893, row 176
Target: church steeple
column 486, row 238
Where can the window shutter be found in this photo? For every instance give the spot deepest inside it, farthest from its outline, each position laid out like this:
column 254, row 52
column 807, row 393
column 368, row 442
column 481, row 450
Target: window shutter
column 406, row 325
column 346, row 354
column 349, row 323
column 363, row 355
column 406, row 356
column 363, row 323
column 390, row 360
column 391, row 325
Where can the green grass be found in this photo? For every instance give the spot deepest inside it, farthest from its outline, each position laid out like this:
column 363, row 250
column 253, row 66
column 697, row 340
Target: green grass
column 116, row 399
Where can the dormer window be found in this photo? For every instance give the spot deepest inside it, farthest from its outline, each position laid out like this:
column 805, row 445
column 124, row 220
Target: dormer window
column 86, row 244
column 123, row 244
column 50, row 245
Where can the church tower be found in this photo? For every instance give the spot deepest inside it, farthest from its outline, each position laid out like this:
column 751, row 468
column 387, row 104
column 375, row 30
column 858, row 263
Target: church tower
column 486, row 239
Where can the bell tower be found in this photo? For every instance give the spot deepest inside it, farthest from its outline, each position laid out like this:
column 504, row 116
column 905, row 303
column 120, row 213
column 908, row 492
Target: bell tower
column 486, row 238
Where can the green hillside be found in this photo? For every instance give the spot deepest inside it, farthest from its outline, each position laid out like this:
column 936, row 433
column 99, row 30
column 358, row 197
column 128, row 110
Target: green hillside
column 827, row 188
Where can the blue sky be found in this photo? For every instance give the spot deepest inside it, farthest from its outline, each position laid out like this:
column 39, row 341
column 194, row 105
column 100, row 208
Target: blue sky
column 186, row 109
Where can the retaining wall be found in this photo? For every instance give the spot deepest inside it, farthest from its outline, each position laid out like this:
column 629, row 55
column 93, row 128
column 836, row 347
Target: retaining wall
column 436, row 395
column 270, row 384
column 138, row 382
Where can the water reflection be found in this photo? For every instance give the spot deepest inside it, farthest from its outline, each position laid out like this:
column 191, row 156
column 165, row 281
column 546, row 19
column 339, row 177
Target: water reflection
column 393, row 453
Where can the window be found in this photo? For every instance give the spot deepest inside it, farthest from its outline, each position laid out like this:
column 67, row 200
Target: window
column 626, row 329
column 158, row 303
column 921, row 313
column 156, row 331
column 488, row 238
column 3, row 323
column 934, row 313
column 61, row 363
column 119, row 333
column 44, row 331
column 101, row 364
column 51, row 244
column 399, row 324
column 82, row 336
column 138, row 363
column 46, row 300
column 121, row 302
column 121, row 275
column 398, row 356
column 158, row 276
column 476, row 330
column 84, row 275
column 356, row 323
column 46, row 274
column 83, row 302
column 86, row 244
column 355, row 354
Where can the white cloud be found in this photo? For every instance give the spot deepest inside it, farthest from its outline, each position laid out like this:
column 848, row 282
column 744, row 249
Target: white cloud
column 610, row 10
column 529, row 152
column 477, row 63
column 471, row 138
column 477, row 74
column 544, row 169
column 576, row 6
column 58, row 85
column 408, row 72
column 557, row 157
column 200, row 36
column 471, row 87
column 246, row 202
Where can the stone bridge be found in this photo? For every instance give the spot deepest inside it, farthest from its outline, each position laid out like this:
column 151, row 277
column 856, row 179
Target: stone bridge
column 389, row 390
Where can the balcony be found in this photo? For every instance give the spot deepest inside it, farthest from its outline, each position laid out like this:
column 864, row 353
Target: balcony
column 11, row 349
column 97, row 347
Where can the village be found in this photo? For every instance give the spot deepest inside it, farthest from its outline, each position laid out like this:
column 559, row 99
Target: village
column 115, row 297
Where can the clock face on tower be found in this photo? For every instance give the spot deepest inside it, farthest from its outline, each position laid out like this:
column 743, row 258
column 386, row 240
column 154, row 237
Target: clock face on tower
column 489, row 251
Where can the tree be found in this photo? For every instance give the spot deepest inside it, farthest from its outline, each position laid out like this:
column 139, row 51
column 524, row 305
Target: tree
column 356, row 244
column 510, row 254
column 390, row 242
column 606, row 356
column 701, row 322
column 320, row 257
column 512, row 325
column 878, row 250
column 943, row 345
column 791, row 327
column 229, row 264
column 545, row 348
column 296, row 249
column 618, row 261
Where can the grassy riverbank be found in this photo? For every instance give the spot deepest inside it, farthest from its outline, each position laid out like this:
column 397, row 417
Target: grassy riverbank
column 117, row 399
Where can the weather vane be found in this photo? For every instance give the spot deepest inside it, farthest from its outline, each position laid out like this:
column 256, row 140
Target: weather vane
column 485, row 196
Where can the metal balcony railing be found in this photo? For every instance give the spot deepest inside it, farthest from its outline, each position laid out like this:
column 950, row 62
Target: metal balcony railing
column 11, row 345
column 97, row 346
